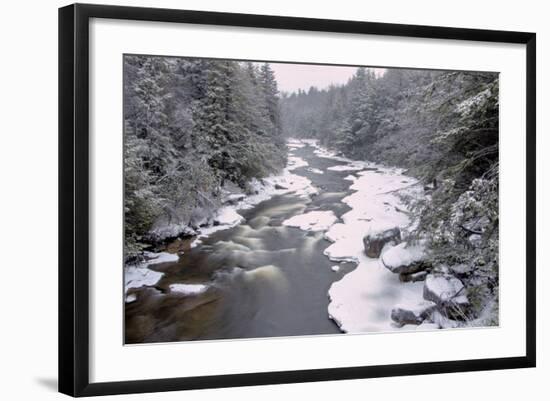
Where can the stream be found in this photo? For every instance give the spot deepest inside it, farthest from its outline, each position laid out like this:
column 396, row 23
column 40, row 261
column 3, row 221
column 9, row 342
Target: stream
column 259, row 278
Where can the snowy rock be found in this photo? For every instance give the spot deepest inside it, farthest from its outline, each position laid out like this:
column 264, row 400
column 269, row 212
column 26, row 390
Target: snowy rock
column 227, row 216
column 375, row 242
column 444, row 290
column 312, row 221
column 415, row 314
column 335, row 268
column 404, row 258
column 280, row 186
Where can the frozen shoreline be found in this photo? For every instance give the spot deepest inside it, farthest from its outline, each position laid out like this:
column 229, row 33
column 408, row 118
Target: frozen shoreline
column 363, row 299
column 139, row 274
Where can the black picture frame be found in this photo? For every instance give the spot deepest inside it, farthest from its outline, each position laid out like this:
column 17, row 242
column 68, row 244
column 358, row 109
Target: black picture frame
column 74, row 202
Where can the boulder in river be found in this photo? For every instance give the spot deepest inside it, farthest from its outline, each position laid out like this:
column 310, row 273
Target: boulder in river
column 404, row 258
column 446, row 291
column 412, row 314
column 374, row 243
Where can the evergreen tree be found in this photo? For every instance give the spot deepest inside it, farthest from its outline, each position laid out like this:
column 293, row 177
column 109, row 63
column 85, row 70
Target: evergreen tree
column 191, row 126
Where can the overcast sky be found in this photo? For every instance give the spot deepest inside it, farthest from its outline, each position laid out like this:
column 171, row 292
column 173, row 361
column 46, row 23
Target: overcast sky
column 291, row 77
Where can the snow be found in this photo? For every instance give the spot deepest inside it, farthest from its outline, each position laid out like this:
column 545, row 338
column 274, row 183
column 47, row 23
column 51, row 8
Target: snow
column 425, row 326
column 188, row 289
column 465, row 107
column 232, row 198
column 402, row 255
column 417, row 309
column 412, row 314
column 312, row 221
column 293, row 146
column 345, row 245
column 295, row 143
column 228, row 216
column 335, row 268
column 363, row 299
column 138, row 275
column 346, row 167
column 443, row 289
column 171, row 231
column 295, row 162
column 373, row 211
column 350, row 178
column 162, row 257
column 327, row 154
column 292, row 183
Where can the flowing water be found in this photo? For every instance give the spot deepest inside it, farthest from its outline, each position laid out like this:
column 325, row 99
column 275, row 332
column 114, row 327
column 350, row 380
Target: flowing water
column 263, row 279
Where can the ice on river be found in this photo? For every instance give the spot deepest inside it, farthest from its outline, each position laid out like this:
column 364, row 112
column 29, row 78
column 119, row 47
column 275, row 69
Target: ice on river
column 315, row 170
column 138, row 275
column 312, row 221
column 188, row 289
column 374, row 208
column 295, row 162
column 362, row 300
column 295, row 144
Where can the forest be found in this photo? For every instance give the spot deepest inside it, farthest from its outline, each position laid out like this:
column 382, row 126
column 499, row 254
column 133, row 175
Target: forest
column 193, row 127
column 443, row 128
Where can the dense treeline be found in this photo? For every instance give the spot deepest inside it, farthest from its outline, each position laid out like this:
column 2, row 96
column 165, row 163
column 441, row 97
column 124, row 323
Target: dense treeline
column 193, row 127
column 440, row 125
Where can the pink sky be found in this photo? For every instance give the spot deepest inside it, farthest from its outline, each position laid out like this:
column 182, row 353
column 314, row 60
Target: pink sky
column 291, row 77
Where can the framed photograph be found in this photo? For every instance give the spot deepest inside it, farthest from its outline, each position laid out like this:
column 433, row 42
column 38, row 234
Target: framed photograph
column 251, row 199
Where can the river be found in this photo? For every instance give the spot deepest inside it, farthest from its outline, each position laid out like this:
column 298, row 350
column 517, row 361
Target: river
column 260, row 278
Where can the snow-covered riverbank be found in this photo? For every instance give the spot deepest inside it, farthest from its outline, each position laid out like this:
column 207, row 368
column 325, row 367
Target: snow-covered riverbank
column 363, row 299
